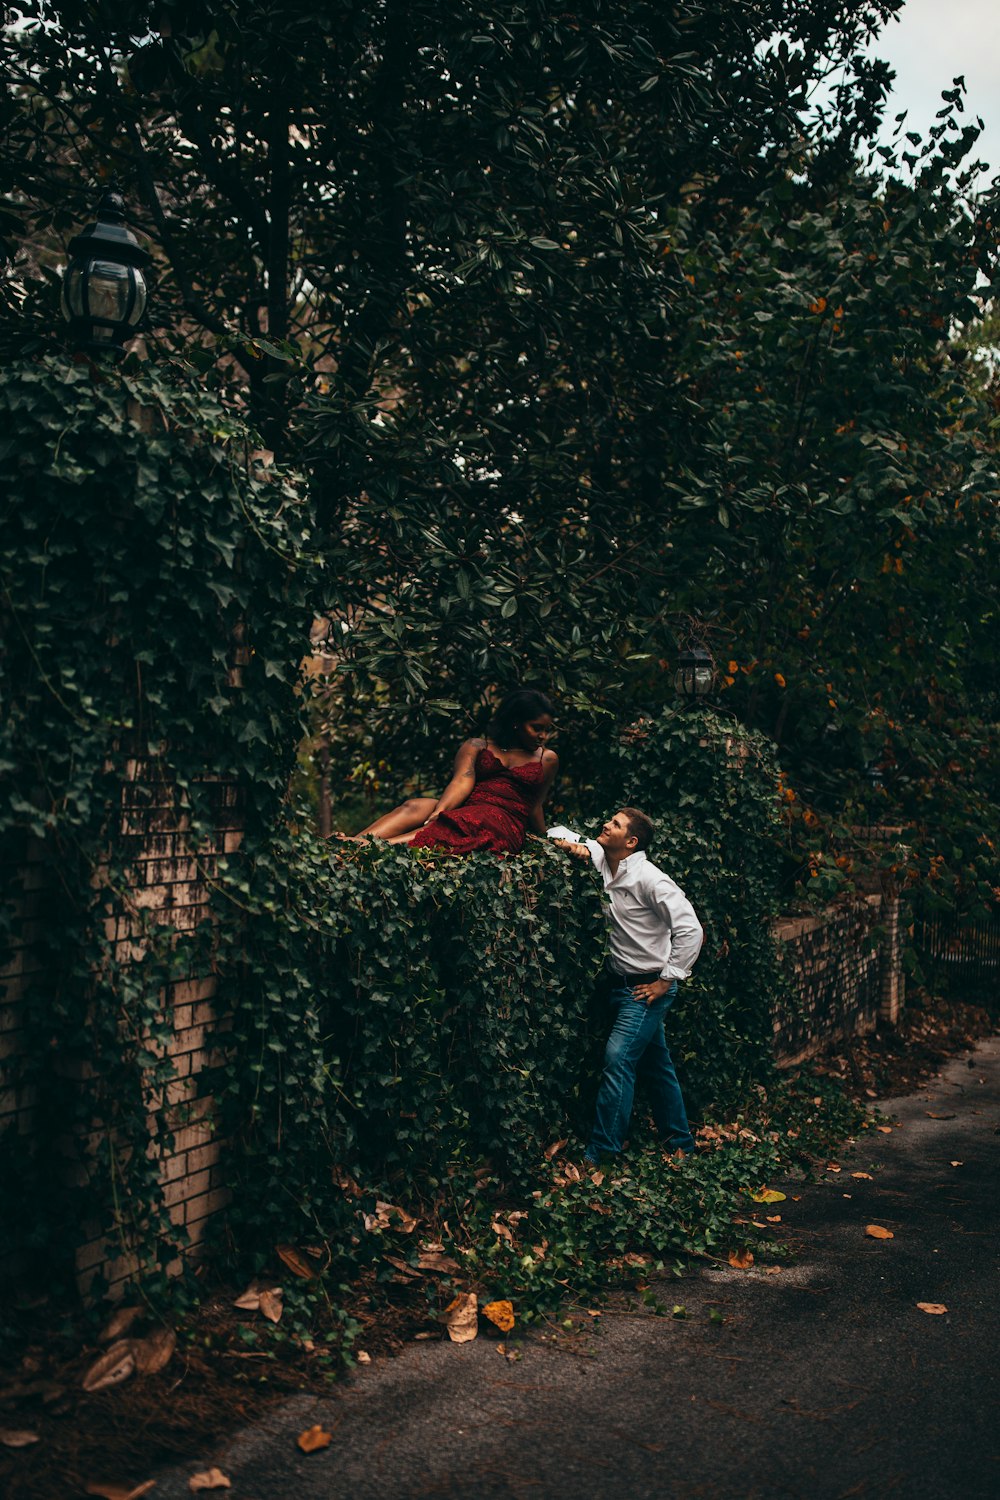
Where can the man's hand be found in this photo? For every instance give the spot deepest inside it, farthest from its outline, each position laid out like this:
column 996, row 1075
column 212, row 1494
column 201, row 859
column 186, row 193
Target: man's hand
column 648, row 993
column 578, row 851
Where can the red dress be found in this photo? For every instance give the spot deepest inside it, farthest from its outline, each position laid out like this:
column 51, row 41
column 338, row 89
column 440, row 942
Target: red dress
column 495, row 815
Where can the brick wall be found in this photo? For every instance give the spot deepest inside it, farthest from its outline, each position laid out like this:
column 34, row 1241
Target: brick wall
column 845, row 971
column 167, row 871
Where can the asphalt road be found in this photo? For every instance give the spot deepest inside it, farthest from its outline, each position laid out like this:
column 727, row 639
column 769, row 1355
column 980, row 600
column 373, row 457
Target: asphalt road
column 825, row 1381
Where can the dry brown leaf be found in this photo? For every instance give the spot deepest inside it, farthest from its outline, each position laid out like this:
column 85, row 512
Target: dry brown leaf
column 863, row 1176
column 932, row 1307
column 114, row 1366
column 555, row 1148
column 363, row 1357
column 885, row 1129
column 500, row 1229
column 119, row 1323
column 461, row 1318
column 249, row 1300
column 741, row 1260
column 956, row 1164
column 876, row 1232
column 389, row 1216
column 270, row 1304
column 500, row 1313
column 572, row 1172
column 119, row 1491
column 406, row 1272
column 772, row 1270
column 314, row 1438
column 597, row 1178
column 154, row 1353
column 773, row 1218
column 209, row 1479
column 932, row 1116
column 346, row 1183
column 295, row 1262
column 433, row 1260
column 17, row 1437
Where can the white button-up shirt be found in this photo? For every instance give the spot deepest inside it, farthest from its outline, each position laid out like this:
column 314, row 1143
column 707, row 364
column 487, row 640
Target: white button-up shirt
column 653, row 924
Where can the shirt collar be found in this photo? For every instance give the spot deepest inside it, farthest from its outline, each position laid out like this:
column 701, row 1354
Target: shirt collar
column 630, row 863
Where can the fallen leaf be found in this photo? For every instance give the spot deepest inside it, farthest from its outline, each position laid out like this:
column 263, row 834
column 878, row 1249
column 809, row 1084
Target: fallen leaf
column 832, row 1166
column 597, row 1178
column 461, row 1318
column 314, row 1438
column 15, row 1437
column 932, row 1307
column 772, row 1270
column 119, row 1491
column 876, row 1232
column 406, row 1272
column 346, row 1183
column 555, row 1148
column 433, row 1260
column 209, row 1479
column 390, row 1216
column 741, row 1260
column 678, row 1310
column 500, row 1313
column 363, row 1357
column 249, row 1300
column 295, row 1262
column 500, row 1229
column 957, row 1164
column 154, row 1353
column 425, row 1335
column 767, row 1195
column 270, row 1304
column 572, row 1172
column 773, row 1218
column 119, row 1323
column 715, row 1316
column 863, row 1176
column 114, row 1366
column 932, row 1116
column 885, row 1129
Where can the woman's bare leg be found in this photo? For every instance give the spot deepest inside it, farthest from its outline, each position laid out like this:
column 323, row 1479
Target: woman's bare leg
column 404, row 819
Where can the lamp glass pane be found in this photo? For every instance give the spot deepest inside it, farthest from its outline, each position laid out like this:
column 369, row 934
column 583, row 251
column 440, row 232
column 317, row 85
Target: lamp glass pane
column 108, row 288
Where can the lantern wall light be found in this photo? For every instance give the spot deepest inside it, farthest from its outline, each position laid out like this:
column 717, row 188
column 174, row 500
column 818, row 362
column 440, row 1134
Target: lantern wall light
column 695, row 675
column 104, row 291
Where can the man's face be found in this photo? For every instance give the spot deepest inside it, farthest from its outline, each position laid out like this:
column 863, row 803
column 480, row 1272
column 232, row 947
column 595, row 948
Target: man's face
column 616, row 838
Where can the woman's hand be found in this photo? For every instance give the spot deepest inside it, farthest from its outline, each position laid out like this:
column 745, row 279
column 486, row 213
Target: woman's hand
column 578, row 851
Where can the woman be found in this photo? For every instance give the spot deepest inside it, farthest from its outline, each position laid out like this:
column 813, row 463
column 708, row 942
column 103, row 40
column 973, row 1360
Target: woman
column 497, row 789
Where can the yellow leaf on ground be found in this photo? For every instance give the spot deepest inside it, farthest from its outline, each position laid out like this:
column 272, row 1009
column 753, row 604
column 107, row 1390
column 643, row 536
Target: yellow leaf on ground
column 767, row 1195
column 500, row 1313
column 876, row 1232
column 114, row 1366
column 209, row 1479
column 295, row 1262
column 154, row 1353
column 932, row 1307
column 314, row 1438
column 741, row 1260
column 17, row 1437
column 461, row 1318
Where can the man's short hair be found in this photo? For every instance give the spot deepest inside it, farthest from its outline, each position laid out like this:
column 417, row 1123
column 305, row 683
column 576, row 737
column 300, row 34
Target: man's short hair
column 639, row 826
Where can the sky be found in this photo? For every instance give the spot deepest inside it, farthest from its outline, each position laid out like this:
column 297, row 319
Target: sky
column 932, row 42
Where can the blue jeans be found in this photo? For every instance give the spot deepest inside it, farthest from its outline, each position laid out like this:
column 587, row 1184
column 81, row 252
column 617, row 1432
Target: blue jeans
column 638, row 1048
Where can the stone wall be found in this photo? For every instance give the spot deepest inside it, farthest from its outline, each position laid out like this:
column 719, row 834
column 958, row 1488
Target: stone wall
column 845, row 975
column 167, row 876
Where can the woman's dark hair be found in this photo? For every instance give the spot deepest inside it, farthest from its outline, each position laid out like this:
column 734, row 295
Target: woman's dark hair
column 517, row 708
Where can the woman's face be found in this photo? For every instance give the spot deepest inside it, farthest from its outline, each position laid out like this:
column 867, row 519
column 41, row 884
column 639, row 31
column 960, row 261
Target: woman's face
column 533, row 734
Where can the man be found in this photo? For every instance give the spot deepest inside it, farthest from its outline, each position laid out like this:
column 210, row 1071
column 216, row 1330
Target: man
column 655, row 939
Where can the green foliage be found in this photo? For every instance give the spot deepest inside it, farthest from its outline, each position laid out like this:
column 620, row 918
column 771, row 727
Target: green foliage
column 153, row 585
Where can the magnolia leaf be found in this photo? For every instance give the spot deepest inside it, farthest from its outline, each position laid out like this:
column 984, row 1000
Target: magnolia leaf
column 119, row 1323
column 500, row 1313
column 154, row 1353
column 741, row 1260
column 209, row 1479
column 932, row 1307
column 270, row 1304
column 314, row 1438
column 555, row 1148
column 295, row 1262
column 461, row 1318
column 769, row 1195
column 15, row 1437
column 114, row 1366
column 876, row 1232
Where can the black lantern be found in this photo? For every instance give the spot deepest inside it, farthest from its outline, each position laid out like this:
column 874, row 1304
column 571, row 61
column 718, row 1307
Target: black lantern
column 104, row 294
column 695, row 675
